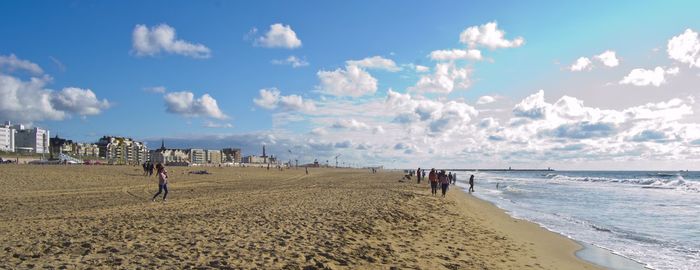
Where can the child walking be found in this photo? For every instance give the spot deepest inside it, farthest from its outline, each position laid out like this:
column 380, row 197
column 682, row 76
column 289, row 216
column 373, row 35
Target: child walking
column 162, row 182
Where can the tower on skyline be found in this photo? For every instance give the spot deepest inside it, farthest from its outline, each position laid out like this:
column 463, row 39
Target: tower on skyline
column 264, row 155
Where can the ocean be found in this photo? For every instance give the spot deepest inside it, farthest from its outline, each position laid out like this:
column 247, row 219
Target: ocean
column 652, row 217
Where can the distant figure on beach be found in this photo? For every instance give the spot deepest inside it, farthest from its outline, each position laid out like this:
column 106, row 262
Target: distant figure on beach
column 423, row 172
column 162, row 182
column 145, row 168
column 445, row 182
column 307, row 170
column 471, row 183
column 449, row 177
column 418, row 175
column 150, row 168
column 454, row 178
column 433, row 181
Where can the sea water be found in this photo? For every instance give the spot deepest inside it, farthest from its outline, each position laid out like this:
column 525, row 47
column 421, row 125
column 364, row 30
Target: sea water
column 648, row 216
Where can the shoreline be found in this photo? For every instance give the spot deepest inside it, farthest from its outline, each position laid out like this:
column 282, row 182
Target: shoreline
column 607, row 258
column 552, row 250
column 582, row 251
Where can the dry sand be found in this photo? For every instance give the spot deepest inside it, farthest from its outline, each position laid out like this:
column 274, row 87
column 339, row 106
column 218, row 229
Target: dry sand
column 101, row 217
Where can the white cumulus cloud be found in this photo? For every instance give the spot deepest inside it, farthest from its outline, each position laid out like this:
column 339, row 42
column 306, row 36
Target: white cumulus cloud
column 644, row 77
column 210, row 124
column 685, row 48
column 79, row 101
column 11, row 63
column 485, row 100
column 162, row 38
column 293, row 61
column 420, row 68
column 272, row 99
column 352, row 81
column 279, row 36
column 28, row 101
column 532, row 106
column 489, row 36
column 608, row 58
column 351, row 124
column 184, row 103
column 375, row 62
column 446, row 78
column 378, row 130
column 436, row 118
column 582, row 63
column 455, row 54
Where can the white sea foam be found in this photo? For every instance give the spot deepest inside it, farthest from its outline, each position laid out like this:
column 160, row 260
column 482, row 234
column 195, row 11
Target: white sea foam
column 650, row 217
column 658, row 181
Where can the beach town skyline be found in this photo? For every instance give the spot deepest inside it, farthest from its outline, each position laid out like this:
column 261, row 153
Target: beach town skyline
column 470, row 86
column 350, row 134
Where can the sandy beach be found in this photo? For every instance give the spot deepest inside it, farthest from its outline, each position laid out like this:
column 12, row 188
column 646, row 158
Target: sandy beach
column 76, row 217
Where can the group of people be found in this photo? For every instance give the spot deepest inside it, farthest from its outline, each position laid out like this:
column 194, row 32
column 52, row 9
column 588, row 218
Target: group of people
column 442, row 179
column 148, row 168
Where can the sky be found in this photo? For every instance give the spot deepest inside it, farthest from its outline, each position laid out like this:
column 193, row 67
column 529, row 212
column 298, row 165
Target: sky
column 460, row 84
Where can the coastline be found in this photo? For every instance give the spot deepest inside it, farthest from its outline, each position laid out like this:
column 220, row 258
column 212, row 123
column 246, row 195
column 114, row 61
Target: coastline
column 563, row 249
column 551, row 250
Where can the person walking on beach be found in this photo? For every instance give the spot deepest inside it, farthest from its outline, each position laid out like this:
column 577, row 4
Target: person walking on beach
column 433, row 181
column 162, row 182
column 444, row 182
column 150, row 169
column 454, row 178
column 145, row 168
column 449, row 177
column 418, row 175
column 471, row 183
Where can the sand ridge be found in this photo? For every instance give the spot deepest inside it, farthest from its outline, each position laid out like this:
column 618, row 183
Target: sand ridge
column 76, row 217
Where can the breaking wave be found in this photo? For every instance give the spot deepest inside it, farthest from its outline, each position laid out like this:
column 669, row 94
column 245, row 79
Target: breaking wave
column 659, row 181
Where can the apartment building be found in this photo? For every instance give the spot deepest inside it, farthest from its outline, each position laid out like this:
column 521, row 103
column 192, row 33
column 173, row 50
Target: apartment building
column 122, row 150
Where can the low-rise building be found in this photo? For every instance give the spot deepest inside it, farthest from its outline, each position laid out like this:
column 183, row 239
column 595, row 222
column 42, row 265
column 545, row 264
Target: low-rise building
column 68, row 147
column 253, row 159
column 197, row 156
column 33, row 140
column 7, row 138
column 86, row 150
column 59, row 145
column 170, row 156
column 231, row 155
column 213, row 156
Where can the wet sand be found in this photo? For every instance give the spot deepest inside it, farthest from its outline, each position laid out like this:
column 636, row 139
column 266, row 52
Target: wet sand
column 76, row 217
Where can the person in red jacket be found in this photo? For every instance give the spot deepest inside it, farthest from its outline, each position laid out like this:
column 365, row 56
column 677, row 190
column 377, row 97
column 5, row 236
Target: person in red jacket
column 433, row 181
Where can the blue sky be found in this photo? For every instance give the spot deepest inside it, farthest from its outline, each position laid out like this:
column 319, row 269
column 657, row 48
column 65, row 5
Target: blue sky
column 92, row 46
